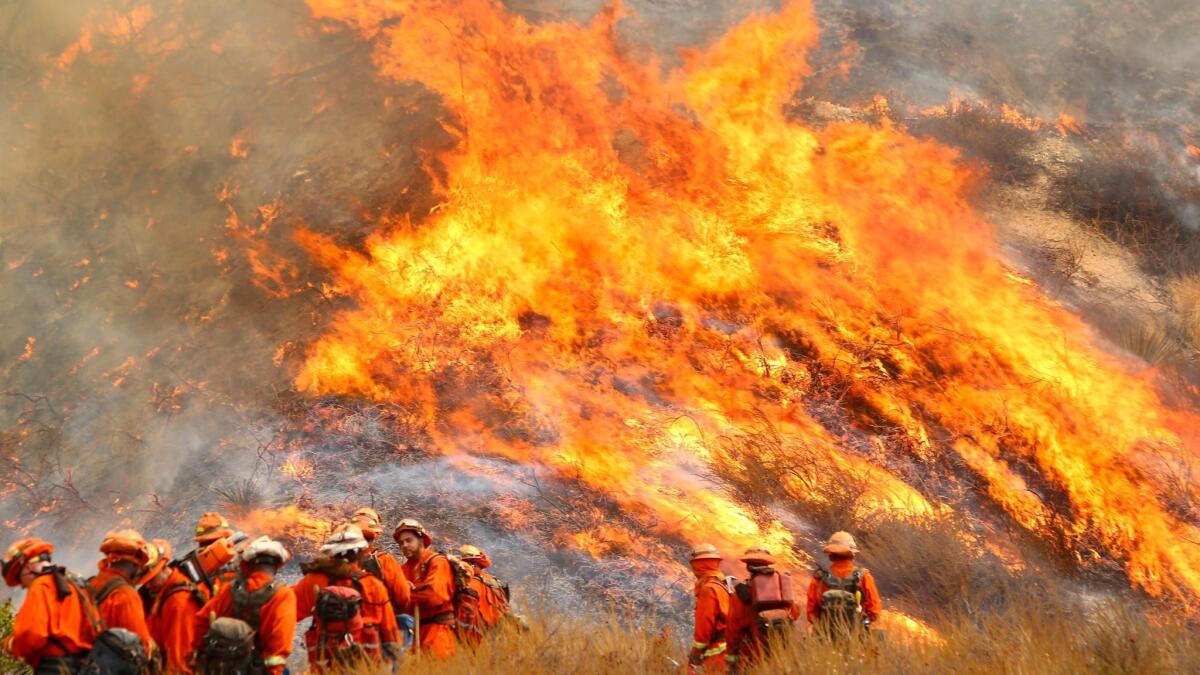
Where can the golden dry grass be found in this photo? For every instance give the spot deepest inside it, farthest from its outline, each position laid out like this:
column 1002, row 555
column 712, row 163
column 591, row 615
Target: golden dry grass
column 1035, row 638
column 1185, row 292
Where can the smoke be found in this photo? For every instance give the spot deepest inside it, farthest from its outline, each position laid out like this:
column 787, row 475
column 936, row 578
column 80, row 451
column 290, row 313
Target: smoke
column 148, row 150
column 157, row 156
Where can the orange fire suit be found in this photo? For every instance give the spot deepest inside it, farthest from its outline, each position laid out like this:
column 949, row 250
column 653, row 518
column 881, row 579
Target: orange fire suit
column 123, row 607
column 712, row 612
column 392, row 576
column 172, row 623
column 49, row 627
column 276, row 621
column 872, row 605
column 745, row 640
column 376, row 608
column 433, row 599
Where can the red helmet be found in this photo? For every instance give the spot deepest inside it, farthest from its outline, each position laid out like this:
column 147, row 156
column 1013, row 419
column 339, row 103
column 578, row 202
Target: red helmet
column 414, row 526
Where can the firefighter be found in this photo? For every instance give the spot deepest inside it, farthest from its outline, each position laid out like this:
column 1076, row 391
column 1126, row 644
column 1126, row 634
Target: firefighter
column 493, row 594
column 57, row 623
column 211, row 528
column 377, row 633
column 174, row 603
column 256, row 597
column 842, row 597
column 712, row 611
column 126, row 555
column 754, row 621
column 380, row 563
column 432, row 579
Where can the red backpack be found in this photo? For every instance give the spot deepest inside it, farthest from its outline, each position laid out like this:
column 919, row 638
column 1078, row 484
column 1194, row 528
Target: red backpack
column 770, row 595
column 338, row 636
column 468, row 623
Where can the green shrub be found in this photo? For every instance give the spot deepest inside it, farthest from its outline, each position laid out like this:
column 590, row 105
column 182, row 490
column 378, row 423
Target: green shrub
column 7, row 663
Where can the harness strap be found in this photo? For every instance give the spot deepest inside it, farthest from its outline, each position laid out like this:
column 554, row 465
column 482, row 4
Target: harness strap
column 109, row 588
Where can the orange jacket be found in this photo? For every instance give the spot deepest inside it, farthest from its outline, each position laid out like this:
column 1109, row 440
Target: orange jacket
column 392, row 576
column 277, row 621
column 712, row 612
column 49, row 626
column 743, row 636
column 432, row 596
column 871, row 603
column 123, row 607
column 172, row 621
column 433, row 585
column 376, row 606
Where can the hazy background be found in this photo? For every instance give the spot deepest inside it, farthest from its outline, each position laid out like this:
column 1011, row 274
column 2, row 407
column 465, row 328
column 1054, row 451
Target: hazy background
column 156, row 157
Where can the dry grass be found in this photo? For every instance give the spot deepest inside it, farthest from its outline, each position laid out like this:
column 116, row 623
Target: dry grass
column 1185, row 293
column 1041, row 636
column 1131, row 196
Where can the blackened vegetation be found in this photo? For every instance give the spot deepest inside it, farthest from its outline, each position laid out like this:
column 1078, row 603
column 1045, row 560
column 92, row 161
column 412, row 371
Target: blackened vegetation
column 1140, row 197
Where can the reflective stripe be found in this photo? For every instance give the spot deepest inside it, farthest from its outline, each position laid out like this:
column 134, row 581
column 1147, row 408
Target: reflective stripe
column 275, row 661
column 718, row 649
column 699, row 645
column 731, row 658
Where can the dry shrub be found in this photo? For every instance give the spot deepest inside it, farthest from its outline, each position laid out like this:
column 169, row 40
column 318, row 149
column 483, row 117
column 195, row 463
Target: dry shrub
column 765, row 468
column 931, row 565
column 1136, row 199
column 981, row 134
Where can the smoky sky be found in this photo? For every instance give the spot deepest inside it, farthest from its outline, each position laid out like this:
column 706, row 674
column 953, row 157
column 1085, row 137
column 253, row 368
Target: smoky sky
column 151, row 173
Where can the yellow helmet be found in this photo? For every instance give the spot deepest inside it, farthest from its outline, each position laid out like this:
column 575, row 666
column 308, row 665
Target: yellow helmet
column 367, row 519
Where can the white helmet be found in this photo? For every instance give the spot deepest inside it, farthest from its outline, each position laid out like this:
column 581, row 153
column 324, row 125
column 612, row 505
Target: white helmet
column 265, row 546
column 345, row 539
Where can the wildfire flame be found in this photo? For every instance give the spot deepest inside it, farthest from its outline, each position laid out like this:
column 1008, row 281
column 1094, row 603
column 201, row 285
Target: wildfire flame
column 619, row 247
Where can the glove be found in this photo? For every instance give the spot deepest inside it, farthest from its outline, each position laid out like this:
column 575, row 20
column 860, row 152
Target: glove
column 696, row 657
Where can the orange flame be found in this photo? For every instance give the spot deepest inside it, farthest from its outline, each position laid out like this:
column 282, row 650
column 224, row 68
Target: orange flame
column 1067, row 125
column 288, row 522
column 618, row 248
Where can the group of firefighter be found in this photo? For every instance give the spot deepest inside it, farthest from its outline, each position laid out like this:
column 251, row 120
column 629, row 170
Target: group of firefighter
column 221, row 609
column 738, row 621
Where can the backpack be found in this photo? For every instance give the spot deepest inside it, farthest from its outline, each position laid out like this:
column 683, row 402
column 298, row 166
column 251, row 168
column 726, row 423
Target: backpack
column 468, row 624
column 227, row 649
column 840, row 606
column 247, row 605
column 769, row 594
column 197, row 596
column 116, row 651
column 338, row 635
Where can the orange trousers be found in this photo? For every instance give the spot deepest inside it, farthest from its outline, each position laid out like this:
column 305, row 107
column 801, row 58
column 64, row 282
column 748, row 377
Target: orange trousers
column 437, row 641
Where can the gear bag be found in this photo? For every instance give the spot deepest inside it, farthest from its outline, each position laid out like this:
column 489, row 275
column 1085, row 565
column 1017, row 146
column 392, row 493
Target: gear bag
column 841, row 603
column 117, row 651
column 770, row 595
column 247, row 604
column 466, row 619
column 338, row 635
column 227, row 649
